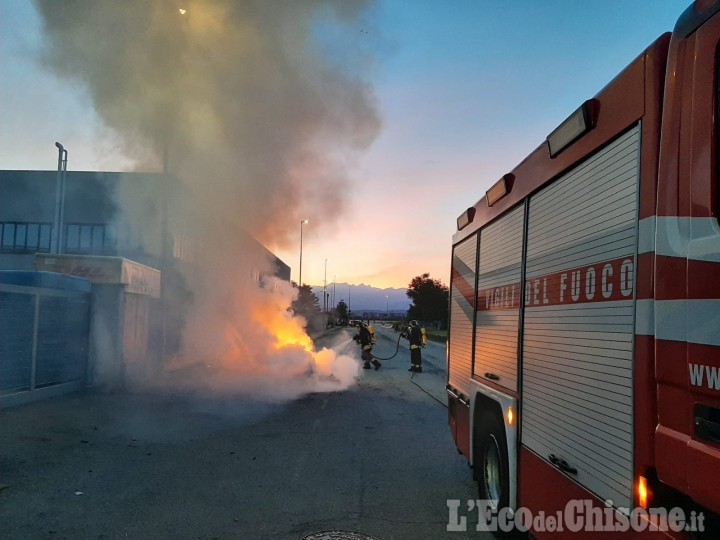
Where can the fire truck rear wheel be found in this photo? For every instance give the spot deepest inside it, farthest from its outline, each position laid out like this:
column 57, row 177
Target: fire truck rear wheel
column 491, row 458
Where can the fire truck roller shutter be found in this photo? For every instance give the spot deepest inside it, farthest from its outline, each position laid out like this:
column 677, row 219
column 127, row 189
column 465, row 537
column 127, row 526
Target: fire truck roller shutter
column 499, row 294
column 579, row 319
column 462, row 306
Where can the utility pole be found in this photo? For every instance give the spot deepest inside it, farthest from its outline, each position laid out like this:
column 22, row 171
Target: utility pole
column 56, row 236
column 303, row 222
column 325, row 287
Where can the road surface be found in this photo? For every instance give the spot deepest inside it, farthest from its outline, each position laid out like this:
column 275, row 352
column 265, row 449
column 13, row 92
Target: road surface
column 376, row 458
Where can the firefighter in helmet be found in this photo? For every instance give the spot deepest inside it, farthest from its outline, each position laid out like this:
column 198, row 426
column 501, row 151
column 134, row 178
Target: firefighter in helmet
column 416, row 336
column 365, row 339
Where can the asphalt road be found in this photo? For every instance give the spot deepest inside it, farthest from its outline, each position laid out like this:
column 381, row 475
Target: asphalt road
column 376, row 458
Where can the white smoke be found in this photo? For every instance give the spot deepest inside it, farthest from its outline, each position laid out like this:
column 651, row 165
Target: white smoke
column 257, row 108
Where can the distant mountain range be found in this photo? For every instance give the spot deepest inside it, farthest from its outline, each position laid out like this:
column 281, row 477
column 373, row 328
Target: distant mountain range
column 362, row 298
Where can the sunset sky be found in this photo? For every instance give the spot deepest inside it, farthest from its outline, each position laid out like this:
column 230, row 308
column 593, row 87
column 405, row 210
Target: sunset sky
column 465, row 89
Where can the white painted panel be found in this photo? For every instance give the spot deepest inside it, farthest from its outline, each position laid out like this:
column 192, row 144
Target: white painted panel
column 577, row 357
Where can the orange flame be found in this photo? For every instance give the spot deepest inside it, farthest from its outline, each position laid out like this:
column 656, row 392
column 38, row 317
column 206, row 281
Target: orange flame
column 253, row 343
column 286, row 329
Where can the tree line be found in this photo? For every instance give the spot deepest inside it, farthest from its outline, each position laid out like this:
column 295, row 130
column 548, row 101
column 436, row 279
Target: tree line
column 428, row 296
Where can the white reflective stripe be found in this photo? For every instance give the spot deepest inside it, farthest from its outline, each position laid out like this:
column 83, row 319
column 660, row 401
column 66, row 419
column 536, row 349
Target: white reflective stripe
column 704, row 322
column 645, row 318
column 670, row 317
column 697, row 239
column 694, row 321
column 705, row 245
column 672, row 236
column 646, row 235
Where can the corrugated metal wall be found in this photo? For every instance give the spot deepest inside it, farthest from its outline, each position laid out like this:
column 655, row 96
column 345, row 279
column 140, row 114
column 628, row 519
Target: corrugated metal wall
column 578, row 336
column 462, row 306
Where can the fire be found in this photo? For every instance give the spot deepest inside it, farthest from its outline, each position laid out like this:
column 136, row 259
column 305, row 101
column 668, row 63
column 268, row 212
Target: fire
column 253, row 343
column 285, row 329
column 270, row 340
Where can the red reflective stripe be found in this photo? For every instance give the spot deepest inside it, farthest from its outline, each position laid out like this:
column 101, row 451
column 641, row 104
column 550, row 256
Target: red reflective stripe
column 607, row 281
column 502, row 297
column 703, row 280
column 463, row 287
column 679, row 278
column 671, row 279
column 645, row 269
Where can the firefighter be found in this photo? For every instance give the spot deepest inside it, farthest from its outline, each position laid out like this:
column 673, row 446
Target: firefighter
column 416, row 336
column 364, row 339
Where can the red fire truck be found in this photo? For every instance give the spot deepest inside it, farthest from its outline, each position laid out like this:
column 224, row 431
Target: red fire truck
column 584, row 338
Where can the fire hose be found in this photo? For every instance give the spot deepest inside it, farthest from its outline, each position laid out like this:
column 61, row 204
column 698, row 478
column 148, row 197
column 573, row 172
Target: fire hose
column 396, row 350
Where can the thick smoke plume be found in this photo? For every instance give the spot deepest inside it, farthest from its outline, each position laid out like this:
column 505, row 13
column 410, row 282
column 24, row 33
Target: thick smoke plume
column 257, row 107
column 257, row 104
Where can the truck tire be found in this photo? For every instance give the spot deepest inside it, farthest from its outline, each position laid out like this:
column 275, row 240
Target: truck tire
column 491, row 461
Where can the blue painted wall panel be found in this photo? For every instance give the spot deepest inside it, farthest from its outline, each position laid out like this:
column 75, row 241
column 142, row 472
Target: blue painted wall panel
column 17, row 314
column 62, row 340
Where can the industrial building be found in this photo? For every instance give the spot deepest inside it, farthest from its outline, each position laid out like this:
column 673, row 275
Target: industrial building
column 132, row 236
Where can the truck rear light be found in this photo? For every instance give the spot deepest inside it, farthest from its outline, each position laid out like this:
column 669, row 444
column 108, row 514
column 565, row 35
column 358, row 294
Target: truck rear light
column 510, row 416
column 643, row 493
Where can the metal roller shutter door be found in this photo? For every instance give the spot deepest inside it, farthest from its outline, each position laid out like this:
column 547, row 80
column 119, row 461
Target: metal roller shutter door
column 496, row 336
column 462, row 305
column 577, row 350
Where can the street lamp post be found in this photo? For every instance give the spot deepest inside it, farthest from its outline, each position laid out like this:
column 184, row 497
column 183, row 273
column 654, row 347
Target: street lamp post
column 325, row 287
column 387, row 303
column 303, row 222
column 56, row 242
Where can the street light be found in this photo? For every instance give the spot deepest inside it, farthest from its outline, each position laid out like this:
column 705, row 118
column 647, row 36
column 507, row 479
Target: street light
column 303, row 222
column 56, row 242
column 325, row 287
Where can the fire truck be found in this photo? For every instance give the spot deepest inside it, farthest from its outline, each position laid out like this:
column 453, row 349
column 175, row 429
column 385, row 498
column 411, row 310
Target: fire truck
column 584, row 330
